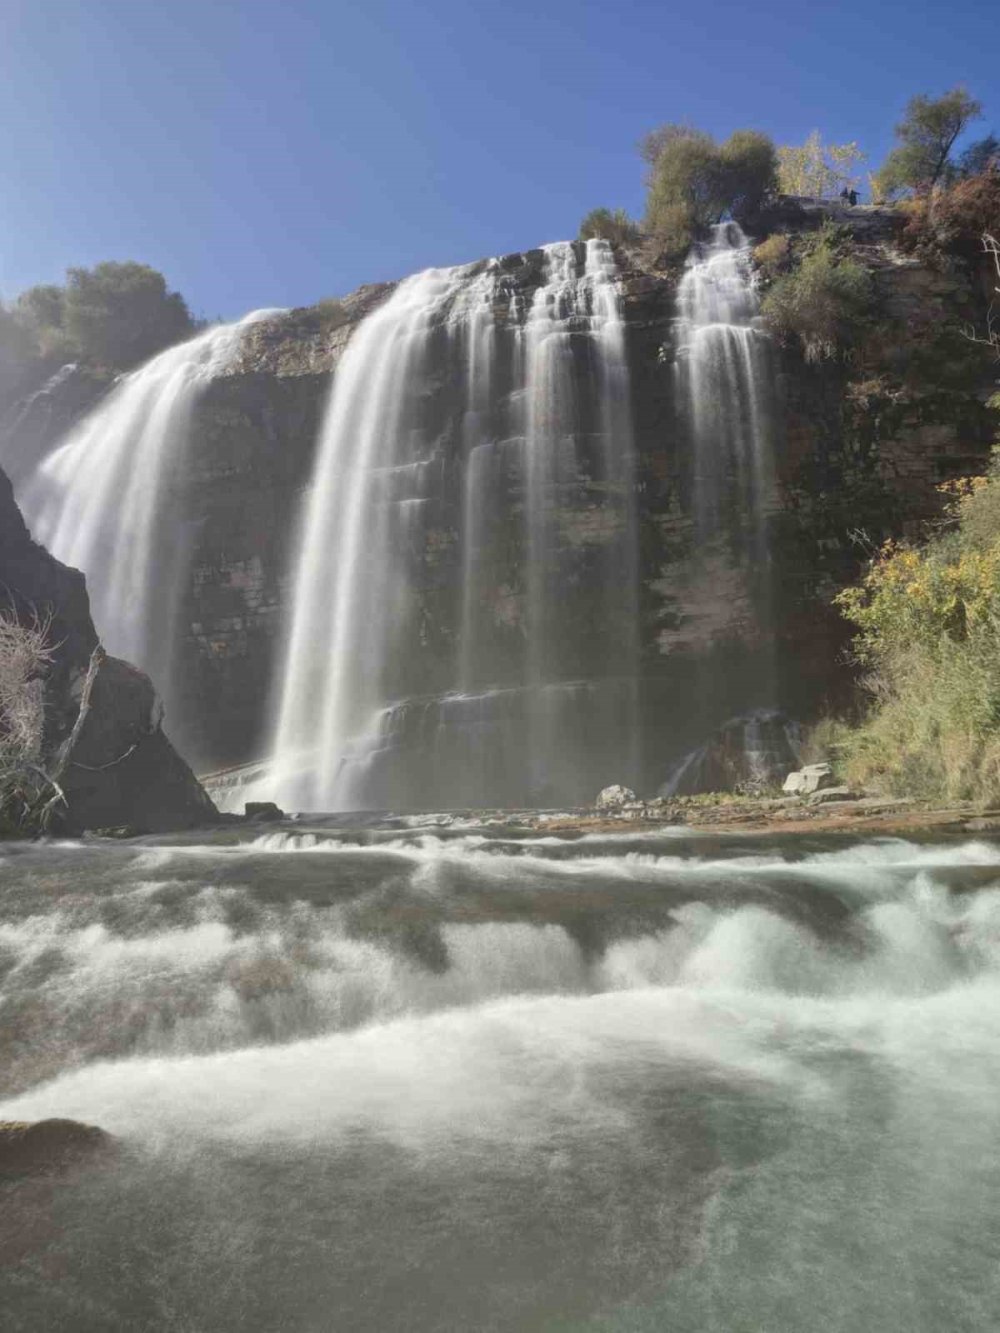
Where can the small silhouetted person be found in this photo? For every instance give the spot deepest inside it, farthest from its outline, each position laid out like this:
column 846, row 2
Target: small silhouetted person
column 844, row 195
column 852, row 198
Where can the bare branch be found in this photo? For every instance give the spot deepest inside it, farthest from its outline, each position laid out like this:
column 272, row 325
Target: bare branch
column 991, row 337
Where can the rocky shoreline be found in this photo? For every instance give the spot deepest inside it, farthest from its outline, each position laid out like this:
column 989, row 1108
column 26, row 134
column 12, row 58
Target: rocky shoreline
column 867, row 815
column 864, row 815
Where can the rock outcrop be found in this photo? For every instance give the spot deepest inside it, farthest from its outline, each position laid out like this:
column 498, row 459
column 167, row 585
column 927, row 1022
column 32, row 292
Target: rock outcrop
column 45, row 1147
column 806, row 781
column 104, row 742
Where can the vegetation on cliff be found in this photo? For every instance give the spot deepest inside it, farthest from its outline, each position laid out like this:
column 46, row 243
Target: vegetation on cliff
column 608, row 224
column 929, row 638
column 694, row 182
column 817, row 169
column 115, row 315
column 925, row 137
column 820, row 295
column 928, row 618
column 26, row 791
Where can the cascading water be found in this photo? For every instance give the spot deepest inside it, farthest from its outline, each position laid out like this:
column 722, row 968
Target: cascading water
column 724, row 381
column 562, row 309
column 408, row 1081
column 103, row 501
column 390, row 696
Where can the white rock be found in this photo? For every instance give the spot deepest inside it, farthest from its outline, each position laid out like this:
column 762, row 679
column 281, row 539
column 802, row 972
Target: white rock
column 614, row 797
column 809, row 779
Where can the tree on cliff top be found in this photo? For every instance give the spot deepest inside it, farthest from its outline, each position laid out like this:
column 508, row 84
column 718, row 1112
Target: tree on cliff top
column 816, row 169
column 114, row 315
column 926, row 135
column 122, row 314
column 609, row 225
column 694, row 182
column 983, row 155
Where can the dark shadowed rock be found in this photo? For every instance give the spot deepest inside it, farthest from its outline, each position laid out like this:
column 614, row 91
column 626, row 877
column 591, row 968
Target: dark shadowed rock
column 118, row 767
column 44, row 1147
column 104, row 743
column 263, row 811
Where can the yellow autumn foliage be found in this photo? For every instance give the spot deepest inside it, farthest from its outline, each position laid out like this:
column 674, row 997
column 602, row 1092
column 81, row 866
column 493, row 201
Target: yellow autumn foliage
column 928, row 621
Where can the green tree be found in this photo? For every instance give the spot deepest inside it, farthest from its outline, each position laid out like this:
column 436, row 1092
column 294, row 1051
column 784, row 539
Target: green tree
column 694, row 182
column 119, row 314
column 16, row 341
column 41, row 312
column 816, row 169
column 980, row 156
column 610, row 225
column 926, row 135
column 748, row 172
column 43, row 306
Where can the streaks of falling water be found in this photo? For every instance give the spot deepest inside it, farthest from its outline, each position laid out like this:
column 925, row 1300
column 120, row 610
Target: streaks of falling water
column 725, row 389
column 619, row 477
column 348, row 693
column 566, row 307
column 351, row 582
column 102, row 502
column 478, row 332
column 725, row 379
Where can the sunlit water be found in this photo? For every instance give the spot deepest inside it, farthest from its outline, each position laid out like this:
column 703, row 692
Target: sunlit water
column 430, row 1079
column 534, row 434
column 106, row 501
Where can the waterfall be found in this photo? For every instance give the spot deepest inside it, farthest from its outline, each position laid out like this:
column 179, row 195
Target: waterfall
column 725, row 376
column 564, row 309
column 389, row 694
column 103, row 501
column 726, row 397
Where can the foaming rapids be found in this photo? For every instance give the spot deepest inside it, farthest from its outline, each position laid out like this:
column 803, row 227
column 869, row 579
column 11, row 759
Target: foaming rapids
column 340, row 1053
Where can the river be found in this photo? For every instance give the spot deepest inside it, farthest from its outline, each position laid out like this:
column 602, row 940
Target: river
column 420, row 1077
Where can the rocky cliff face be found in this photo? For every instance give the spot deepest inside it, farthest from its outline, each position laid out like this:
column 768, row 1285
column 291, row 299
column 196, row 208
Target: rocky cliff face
column 104, row 744
column 862, row 448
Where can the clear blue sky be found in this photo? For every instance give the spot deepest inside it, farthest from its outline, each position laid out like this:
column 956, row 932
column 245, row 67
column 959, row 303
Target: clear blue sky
column 271, row 152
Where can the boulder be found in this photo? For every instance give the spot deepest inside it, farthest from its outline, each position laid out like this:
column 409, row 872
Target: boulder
column 117, row 766
column 103, row 744
column 46, row 1146
column 262, row 812
column 807, row 780
column 615, row 797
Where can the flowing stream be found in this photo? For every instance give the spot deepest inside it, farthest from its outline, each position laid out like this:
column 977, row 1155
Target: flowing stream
column 421, row 1077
